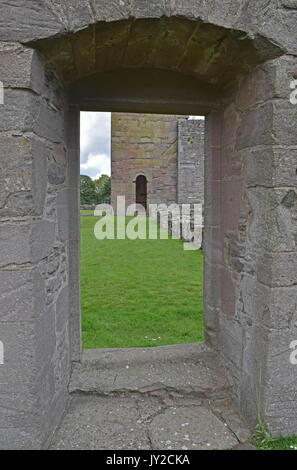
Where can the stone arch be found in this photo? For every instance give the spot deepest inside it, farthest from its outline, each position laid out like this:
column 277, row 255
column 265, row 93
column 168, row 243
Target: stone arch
column 181, row 57
column 146, row 174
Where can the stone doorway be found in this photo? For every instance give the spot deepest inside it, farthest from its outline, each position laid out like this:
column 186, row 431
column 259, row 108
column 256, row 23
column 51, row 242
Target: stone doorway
column 141, row 191
column 217, row 60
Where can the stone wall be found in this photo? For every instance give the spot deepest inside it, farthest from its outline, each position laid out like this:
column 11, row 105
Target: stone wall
column 162, row 49
column 250, row 243
column 191, row 161
column 34, row 256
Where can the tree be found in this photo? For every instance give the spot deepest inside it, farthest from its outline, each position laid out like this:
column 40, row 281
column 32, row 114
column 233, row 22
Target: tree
column 103, row 189
column 88, row 193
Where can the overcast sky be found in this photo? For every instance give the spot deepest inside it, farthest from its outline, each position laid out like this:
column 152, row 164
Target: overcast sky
column 95, row 131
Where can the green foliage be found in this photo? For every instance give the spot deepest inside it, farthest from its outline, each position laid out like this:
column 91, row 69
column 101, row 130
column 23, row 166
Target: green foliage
column 103, row 189
column 88, row 193
column 138, row 293
column 264, row 441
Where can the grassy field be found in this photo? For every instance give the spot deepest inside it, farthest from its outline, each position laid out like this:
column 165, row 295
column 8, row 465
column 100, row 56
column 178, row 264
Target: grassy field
column 138, row 293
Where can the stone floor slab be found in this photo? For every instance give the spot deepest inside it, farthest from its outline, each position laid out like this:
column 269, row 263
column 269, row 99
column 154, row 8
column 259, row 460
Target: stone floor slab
column 190, row 428
column 186, row 369
column 140, row 423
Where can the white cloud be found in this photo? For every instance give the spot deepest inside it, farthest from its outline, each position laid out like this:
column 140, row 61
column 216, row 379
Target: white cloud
column 95, row 135
column 193, row 118
column 96, row 166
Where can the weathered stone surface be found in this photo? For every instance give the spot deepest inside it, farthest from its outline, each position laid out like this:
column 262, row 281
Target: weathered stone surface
column 245, row 446
column 274, row 226
column 35, row 373
column 15, row 243
column 22, row 295
column 74, row 15
column 191, row 162
column 258, row 123
column 278, row 25
column 154, row 416
column 22, row 181
column 278, row 269
column 56, row 174
column 144, row 145
column 28, row 106
column 151, row 423
column 102, row 424
column 67, row 219
column 167, row 150
column 27, row 20
column 186, row 369
column 190, row 428
column 113, row 10
column 269, row 167
column 231, row 59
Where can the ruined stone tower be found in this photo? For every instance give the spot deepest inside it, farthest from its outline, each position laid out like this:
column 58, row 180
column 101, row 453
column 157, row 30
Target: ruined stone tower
column 166, row 150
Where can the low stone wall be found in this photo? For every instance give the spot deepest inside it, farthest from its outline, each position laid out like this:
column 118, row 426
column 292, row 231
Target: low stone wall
column 88, row 207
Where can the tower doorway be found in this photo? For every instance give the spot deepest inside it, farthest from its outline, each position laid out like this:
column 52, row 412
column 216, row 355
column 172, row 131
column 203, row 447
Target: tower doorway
column 141, row 191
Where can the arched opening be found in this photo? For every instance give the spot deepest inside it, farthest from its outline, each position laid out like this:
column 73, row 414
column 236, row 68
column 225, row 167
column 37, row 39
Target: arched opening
column 180, row 66
column 141, row 191
column 148, row 62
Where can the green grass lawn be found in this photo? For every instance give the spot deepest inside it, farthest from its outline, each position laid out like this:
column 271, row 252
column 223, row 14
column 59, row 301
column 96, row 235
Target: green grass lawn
column 138, row 293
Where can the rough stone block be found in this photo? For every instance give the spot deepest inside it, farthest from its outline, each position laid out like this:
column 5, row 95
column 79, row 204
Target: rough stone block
column 62, row 309
column 43, row 236
column 19, row 114
column 280, row 382
column 285, row 122
column 144, row 9
column 277, row 269
column 27, row 20
column 273, row 225
column 113, row 10
column 22, row 181
column 255, row 128
column 15, row 65
column 75, row 300
column 15, row 244
column 275, row 166
column 22, row 295
column 74, row 14
column 257, row 87
column 68, row 216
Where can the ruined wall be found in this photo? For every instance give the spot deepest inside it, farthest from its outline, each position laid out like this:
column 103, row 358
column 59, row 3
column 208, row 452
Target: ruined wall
column 191, row 161
column 250, row 252
column 144, row 144
column 34, row 255
column 168, row 150
column 250, row 243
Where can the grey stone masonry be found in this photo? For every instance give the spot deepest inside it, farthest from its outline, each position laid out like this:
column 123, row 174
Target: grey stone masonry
column 34, row 255
column 232, row 61
column 190, row 161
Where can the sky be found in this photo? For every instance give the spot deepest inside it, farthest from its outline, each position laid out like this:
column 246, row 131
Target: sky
column 95, row 132
column 95, row 137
